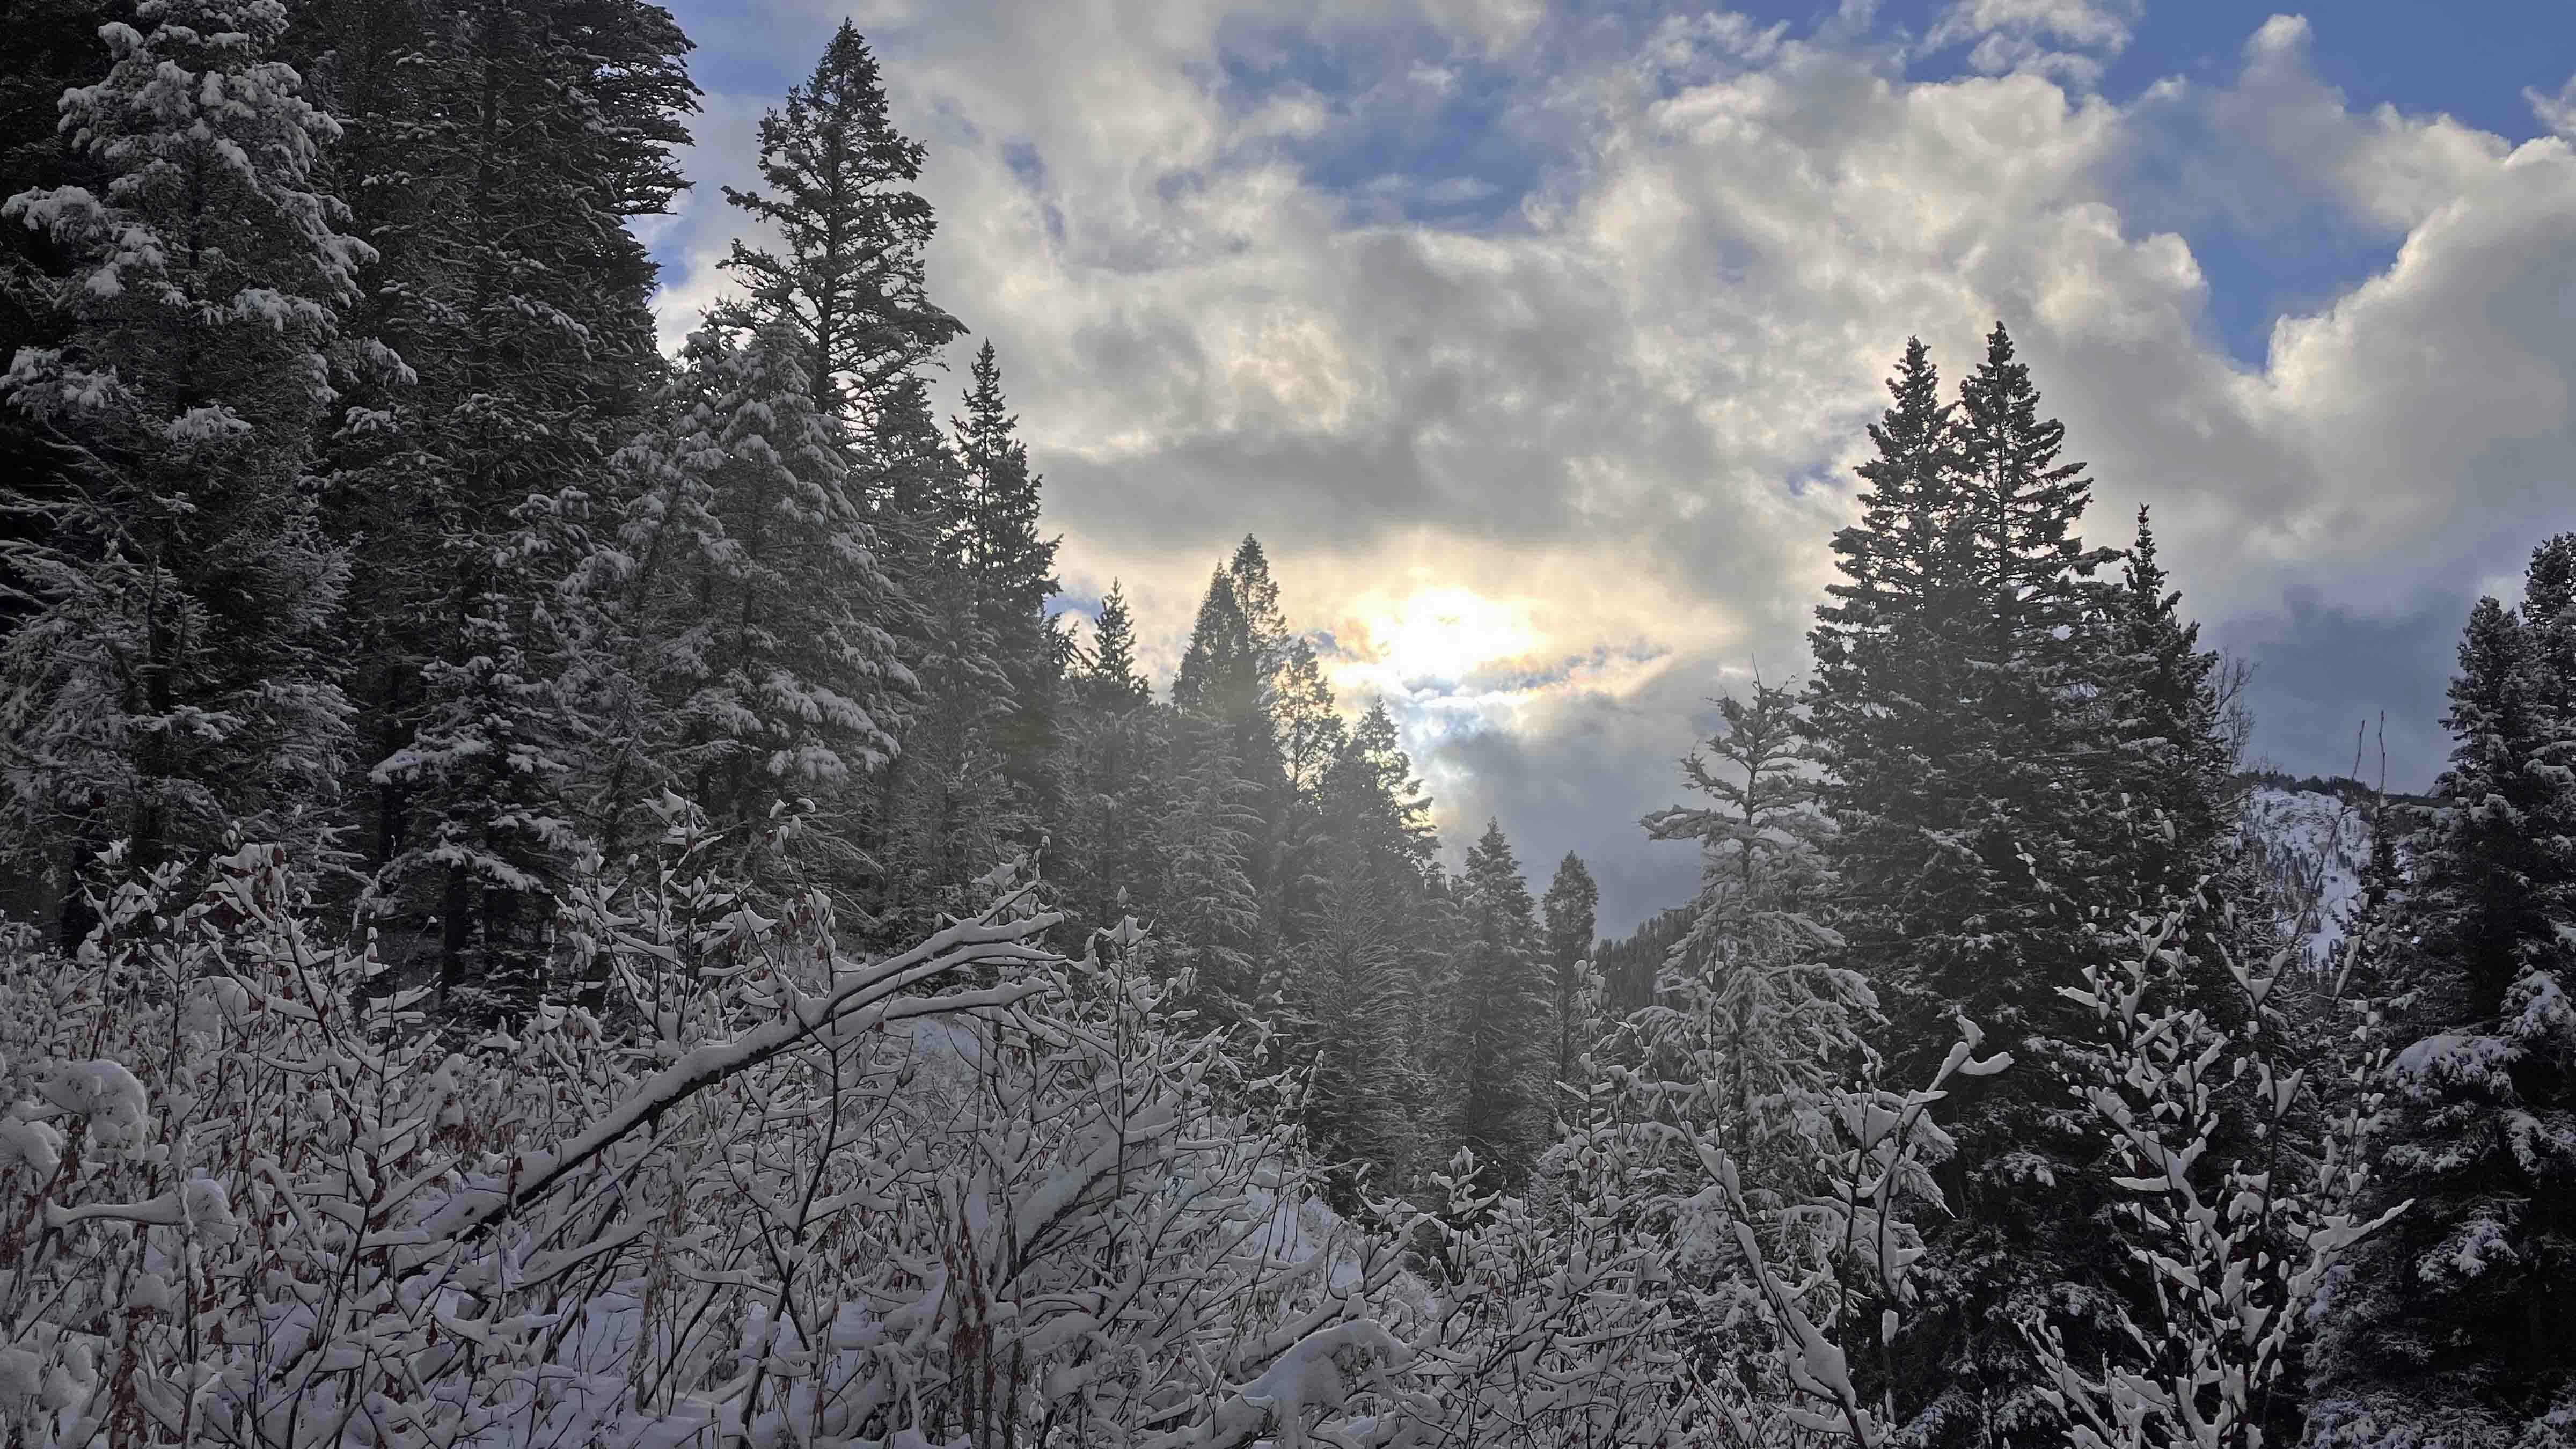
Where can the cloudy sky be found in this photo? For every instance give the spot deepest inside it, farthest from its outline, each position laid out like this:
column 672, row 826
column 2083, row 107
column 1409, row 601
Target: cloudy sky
column 1535, row 340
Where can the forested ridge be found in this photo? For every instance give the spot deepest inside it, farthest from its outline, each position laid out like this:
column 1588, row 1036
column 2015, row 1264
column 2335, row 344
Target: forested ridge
column 567, row 894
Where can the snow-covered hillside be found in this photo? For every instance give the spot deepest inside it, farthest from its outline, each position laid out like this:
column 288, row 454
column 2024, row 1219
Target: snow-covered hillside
column 2310, row 845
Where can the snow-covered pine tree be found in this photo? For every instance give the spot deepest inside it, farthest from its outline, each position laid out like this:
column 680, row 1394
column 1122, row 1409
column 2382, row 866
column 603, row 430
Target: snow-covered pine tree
column 749, row 610
column 945, row 811
column 1288, row 711
column 1111, row 679
column 1220, row 671
column 500, row 148
column 2171, row 754
column 1892, row 651
column 1752, row 1012
column 1953, row 712
column 2458, row 1324
column 1311, row 731
column 1228, row 676
column 1258, row 593
column 1114, row 775
column 1014, row 577
column 1376, row 742
column 1211, row 914
column 1502, row 1044
column 1307, row 724
column 1360, row 853
column 851, row 233
column 1568, row 914
column 53, row 46
column 1348, row 985
column 173, row 679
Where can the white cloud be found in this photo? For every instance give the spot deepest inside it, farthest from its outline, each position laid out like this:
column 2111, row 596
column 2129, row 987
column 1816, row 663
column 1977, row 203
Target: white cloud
column 2064, row 39
column 2557, row 112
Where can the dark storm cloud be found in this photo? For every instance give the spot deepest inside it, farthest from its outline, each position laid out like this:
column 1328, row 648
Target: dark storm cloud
column 2325, row 678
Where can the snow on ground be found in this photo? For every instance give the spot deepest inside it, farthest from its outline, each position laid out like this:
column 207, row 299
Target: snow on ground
column 2312, row 846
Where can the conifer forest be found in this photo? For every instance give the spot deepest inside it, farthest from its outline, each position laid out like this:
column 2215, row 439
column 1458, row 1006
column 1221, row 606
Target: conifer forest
column 565, row 887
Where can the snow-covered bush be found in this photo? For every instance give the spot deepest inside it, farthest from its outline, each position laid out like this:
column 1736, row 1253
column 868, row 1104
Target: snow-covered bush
column 742, row 1190
column 2236, row 1247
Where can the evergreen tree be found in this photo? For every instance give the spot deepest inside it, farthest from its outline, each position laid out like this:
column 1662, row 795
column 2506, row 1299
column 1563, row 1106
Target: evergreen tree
column 1112, row 681
column 2172, row 758
column 1311, row 732
column 1211, row 914
column 1220, row 672
column 498, row 149
column 1103, row 829
column 1014, row 577
column 1403, row 813
column 849, row 279
column 1258, row 594
column 1954, row 712
column 1568, row 912
column 1114, row 776
column 1892, row 655
column 752, row 598
column 174, row 679
column 1014, row 566
column 1750, row 1003
column 2455, row 1325
column 945, row 814
column 1351, row 986
column 1226, row 679
column 1501, row 1007
column 53, row 46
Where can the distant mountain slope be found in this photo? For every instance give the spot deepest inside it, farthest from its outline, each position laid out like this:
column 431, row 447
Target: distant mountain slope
column 2310, row 838
column 2309, row 846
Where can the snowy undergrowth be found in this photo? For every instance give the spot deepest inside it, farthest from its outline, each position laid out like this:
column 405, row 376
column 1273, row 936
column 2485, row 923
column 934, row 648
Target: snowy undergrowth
column 750, row 1192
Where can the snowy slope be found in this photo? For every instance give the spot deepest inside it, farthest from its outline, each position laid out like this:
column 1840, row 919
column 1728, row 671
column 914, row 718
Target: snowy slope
column 2310, row 845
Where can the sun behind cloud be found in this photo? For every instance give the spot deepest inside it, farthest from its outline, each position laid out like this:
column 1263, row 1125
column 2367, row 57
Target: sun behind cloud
column 1438, row 634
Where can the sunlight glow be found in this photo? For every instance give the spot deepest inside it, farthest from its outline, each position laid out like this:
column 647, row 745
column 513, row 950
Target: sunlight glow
column 1444, row 633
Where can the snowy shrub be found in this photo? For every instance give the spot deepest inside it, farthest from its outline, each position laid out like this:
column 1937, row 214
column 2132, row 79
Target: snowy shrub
column 748, row 1190
column 2237, row 1248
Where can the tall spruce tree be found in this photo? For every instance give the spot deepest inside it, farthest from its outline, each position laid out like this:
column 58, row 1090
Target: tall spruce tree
column 1111, row 680
column 1115, row 778
column 946, row 813
column 2456, row 1323
column 1220, row 672
column 53, row 46
column 1350, row 984
column 1965, row 766
column 2172, row 759
column 1258, row 593
column 174, row 679
column 1014, row 570
column 498, row 149
column 1211, row 912
column 1885, row 706
column 1311, row 731
column 1500, row 1008
column 1568, row 915
column 751, row 605
column 836, row 185
column 1226, row 679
